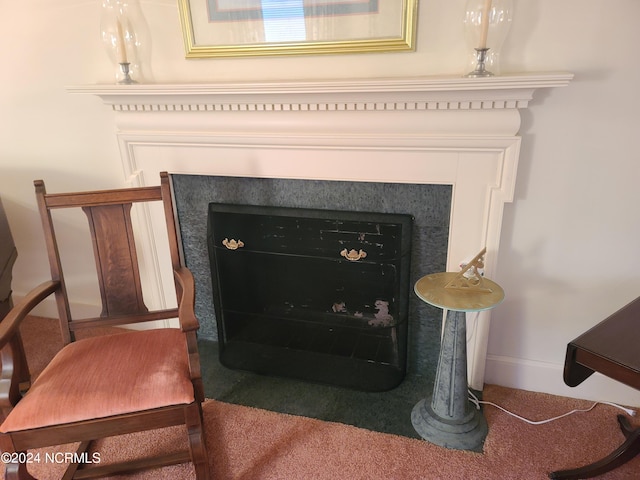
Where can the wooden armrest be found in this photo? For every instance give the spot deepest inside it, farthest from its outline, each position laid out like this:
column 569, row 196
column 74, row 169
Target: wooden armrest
column 11, row 350
column 10, row 324
column 186, row 302
column 189, row 325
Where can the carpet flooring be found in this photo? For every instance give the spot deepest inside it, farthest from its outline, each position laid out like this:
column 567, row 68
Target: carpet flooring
column 247, row 443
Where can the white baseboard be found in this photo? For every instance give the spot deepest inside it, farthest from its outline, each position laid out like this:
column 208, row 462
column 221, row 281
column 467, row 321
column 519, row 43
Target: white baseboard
column 546, row 377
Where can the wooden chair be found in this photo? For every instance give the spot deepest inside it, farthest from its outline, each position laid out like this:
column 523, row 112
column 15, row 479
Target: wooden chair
column 115, row 384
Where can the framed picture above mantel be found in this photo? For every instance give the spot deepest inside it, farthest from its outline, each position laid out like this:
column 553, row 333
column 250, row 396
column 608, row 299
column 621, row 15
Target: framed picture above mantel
column 236, row 28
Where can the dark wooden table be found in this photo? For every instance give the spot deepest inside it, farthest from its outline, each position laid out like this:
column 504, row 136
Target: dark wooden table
column 612, row 348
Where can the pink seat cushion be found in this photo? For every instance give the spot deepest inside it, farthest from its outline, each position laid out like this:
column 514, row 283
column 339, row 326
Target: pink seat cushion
column 103, row 376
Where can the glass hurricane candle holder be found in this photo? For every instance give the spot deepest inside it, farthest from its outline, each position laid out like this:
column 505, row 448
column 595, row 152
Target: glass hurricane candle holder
column 486, row 25
column 124, row 34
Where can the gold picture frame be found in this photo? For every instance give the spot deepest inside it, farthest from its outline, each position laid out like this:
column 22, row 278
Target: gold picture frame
column 238, row 28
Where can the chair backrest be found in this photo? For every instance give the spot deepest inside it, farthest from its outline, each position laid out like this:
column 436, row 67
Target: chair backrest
column 114, row 247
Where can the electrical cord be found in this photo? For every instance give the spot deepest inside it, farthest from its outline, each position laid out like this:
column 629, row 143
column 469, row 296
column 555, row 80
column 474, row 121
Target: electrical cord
column 473, row 399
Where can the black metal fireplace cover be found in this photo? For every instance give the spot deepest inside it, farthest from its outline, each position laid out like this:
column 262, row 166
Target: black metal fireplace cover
column 319, row 295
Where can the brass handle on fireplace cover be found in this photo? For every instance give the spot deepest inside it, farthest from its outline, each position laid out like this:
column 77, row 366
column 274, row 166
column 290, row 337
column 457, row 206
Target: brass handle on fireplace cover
column 352, row 255
column 233, row 244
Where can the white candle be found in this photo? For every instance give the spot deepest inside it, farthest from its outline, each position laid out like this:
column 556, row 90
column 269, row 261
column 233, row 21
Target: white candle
column 484, row 19
column 121, row 51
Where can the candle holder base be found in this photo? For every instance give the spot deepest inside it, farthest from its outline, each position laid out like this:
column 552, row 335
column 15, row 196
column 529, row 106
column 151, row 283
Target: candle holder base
column 126, row 80
column 480, row 70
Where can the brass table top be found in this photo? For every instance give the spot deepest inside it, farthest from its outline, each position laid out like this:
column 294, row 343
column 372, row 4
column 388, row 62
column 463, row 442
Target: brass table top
column 433, row 290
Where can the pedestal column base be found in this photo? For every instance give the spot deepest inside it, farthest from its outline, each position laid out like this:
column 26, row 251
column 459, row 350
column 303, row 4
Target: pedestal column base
column 447, row 417
column 467, row 433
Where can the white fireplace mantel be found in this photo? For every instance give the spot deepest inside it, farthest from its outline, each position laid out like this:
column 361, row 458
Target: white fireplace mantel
column 510, row 91
column 429, row 130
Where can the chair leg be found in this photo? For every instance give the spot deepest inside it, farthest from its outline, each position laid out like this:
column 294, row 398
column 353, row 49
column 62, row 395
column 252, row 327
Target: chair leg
column 17, row 471
column 197, row 445
column 14, row 470
column 75, row 465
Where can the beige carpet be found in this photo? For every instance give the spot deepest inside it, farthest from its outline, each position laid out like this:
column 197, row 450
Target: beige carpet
column 250, row 444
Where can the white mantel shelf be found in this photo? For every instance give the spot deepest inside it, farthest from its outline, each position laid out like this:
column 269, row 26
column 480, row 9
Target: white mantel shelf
column 412, row 93
column 456, row 131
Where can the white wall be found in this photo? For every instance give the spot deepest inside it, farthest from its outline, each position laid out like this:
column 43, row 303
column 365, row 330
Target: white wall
column 569, row 252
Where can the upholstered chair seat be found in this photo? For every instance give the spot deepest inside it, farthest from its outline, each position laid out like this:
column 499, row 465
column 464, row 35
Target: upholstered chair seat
column 122, row 373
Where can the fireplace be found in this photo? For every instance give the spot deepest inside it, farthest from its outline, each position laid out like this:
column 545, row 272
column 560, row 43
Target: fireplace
column 429, row 206
column 313, row 294
column 458, row 132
